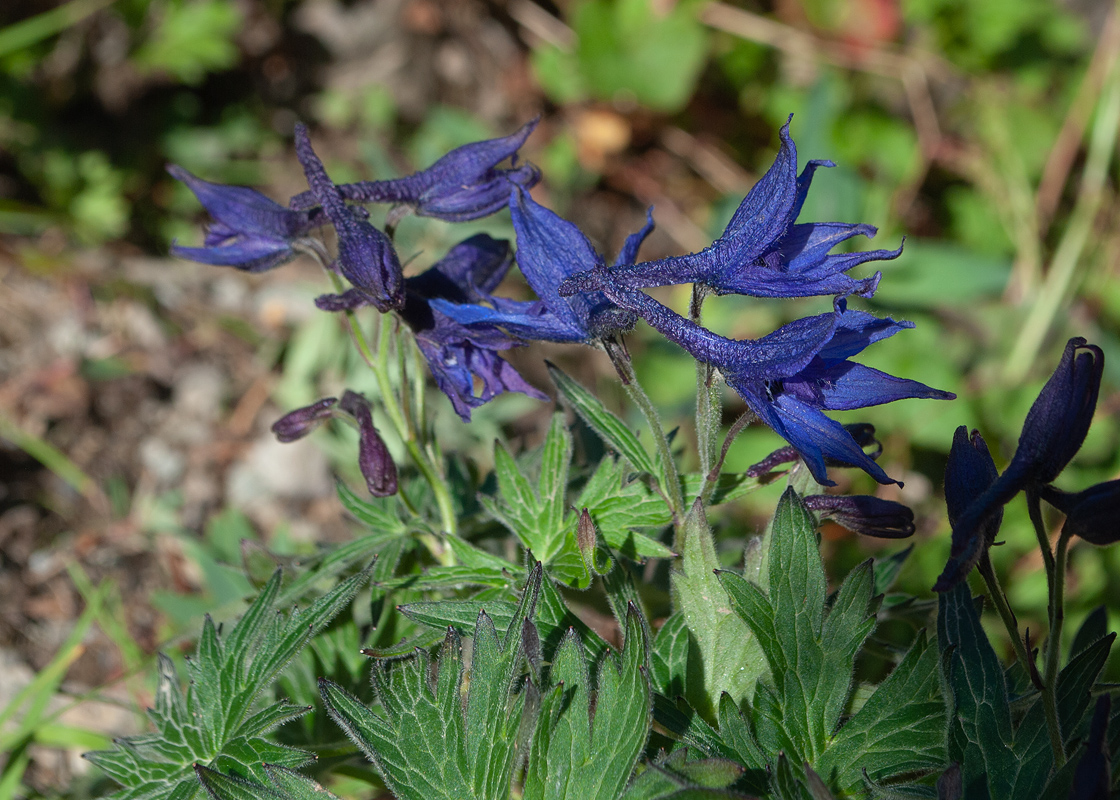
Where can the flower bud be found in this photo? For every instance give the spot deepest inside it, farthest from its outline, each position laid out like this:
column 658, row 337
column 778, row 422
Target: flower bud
column 373, row 456
column 871, row 516
column 1093, row 514
column 297, row 424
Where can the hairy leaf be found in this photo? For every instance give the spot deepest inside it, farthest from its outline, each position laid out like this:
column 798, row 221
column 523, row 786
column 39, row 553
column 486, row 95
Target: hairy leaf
column 427, row 743
column 730, row 659
column 583, row 750
column 219, row 720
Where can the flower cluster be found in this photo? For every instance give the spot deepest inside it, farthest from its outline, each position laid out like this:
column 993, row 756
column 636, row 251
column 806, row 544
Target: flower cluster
column 1053, row 432
column 788, row 379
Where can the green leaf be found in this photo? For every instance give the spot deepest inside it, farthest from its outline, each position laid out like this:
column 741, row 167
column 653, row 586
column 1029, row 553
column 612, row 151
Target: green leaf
column 1075, row 684
column 672, row 777
column 729, row 656
column 283, row 784
column 427, row 743
column 541, row 518
column 553, row 617
column 900, row 728
column 981, row 736
column 585, row 753
column 219, row 720
column 811, row 657
column 610, row 428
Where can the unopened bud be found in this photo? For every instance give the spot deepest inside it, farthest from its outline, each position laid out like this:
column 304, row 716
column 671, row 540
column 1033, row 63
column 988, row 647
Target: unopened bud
column 297, row 424
column 1093, row 514
column 373, row 456
column 871, row 516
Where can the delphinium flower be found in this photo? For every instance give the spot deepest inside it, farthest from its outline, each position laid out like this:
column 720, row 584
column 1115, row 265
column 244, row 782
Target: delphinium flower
column 366, row 257
column 1053, row 432
column 549, row 250
column 249, row 232
column 791, row 376
column 456, row 353
column 463, row 185
column 764, row 252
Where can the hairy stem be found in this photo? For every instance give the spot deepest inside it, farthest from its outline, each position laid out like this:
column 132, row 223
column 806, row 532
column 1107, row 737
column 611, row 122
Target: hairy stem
column 670, row 478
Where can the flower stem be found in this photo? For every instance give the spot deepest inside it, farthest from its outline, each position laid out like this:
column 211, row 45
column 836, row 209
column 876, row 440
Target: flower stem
column 1057, row 618
column 379, row 365
column 1049, row 706
column 708, row 410
column 669, row 477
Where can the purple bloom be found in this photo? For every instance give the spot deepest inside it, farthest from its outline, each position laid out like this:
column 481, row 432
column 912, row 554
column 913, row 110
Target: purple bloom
column 373, row 456
column 862, row 432
column 366, row 257
column 296, row 424
column 463, row 185
column 1053, row 432
column 870, row 516
column 790, row 376
column 549, row 250
column 456, row 353
column 763, row 252
column 249, row 232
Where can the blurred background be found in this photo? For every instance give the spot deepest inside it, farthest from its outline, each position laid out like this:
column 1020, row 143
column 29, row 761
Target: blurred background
column 136, row 390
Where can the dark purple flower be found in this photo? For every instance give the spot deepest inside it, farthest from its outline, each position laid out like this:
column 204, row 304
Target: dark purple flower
column 790, row 376
column 1093, row 514
column 296, row 424
column 249, row 232
column 373, row 456
column 870, row 516
column 456, row 353
column 550, row 249
column 366, row 257
column 1053, row 432
column 763, row 252
column 463, row 185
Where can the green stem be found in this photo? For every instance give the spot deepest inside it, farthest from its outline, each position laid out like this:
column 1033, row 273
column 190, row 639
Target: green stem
column 670, row 477
column 1057, row 618
column 708, row 411
column 1034, row 508
column 379, row 365
column 1049, row 706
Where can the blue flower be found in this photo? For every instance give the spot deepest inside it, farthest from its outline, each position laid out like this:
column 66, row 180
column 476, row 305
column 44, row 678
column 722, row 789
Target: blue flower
column 463, row 185
column 549, row 250
column 763, row 252
column 456, row 353
column 790, row 376
column 366, row 257
column 249, row 232
column 1053, row 432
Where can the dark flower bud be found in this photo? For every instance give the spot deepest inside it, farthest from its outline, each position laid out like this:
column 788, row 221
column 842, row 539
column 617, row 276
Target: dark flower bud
column 1058, row 421
column 1053, row 432
column 373, row 456
column 871, row 516
column 968, row 474
column 297, row 424
column 1093, row 514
